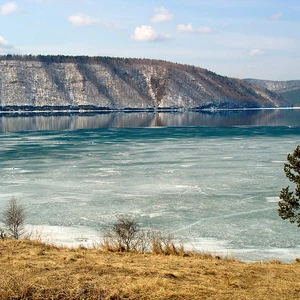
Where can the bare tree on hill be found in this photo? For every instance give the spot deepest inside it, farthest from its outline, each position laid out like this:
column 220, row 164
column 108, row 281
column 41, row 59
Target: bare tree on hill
column 14, row 219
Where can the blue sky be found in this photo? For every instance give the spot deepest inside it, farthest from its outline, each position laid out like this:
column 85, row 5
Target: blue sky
column 236, row 38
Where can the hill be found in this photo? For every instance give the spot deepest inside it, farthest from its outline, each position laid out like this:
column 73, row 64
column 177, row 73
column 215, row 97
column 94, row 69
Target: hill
column 32, row 270
column 288, row 89
column 106, row 83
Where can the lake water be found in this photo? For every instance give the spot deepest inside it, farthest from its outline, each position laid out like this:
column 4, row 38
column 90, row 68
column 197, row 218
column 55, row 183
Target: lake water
column 211, row 180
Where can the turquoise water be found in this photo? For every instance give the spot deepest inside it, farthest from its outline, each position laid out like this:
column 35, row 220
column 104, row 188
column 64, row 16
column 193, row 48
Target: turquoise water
column 214, row 188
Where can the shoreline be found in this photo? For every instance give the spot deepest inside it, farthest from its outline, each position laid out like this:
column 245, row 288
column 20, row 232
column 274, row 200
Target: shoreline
column 82, row 111
column 81, row 236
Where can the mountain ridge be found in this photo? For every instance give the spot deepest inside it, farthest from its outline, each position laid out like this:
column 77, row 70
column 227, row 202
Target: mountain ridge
column 107, row 83
column 289, row 89
column 276, row 85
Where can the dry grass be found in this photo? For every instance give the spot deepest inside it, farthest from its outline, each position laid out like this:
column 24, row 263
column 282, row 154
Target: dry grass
column 32, row 270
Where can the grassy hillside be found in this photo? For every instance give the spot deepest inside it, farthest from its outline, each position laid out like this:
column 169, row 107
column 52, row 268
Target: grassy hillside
column 32, row 270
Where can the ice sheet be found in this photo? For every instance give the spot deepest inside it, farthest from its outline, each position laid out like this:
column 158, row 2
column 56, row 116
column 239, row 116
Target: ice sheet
column 202, row 185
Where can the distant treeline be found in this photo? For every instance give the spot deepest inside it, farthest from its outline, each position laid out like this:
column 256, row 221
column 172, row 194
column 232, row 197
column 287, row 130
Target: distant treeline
column 83, row 59
column 77, row 59
column 60, row 58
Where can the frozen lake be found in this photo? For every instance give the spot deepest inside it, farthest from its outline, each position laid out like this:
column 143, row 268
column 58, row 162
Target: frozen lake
column 213, row 187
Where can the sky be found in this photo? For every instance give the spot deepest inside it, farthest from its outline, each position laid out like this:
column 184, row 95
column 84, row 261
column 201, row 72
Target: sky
column 235, row 38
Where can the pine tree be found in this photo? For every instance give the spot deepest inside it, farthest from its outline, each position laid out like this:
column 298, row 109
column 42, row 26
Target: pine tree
column 289, row 206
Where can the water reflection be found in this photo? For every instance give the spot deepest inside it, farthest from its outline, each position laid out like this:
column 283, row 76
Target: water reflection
column 19, row 122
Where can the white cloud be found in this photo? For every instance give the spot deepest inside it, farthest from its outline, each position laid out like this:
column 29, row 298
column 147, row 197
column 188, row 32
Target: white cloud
column 185, row 28
column 4, row 43
column 189, row 28
column 277, row 16
column 204, row 30
column 148, row 34
column 83, row 20
column 9, row 8
column 162, row 15
column 256, row 52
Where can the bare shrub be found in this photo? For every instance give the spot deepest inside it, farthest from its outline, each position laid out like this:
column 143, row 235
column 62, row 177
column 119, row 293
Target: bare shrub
column 122, row 236
column 143, row 244
column 125, row 235
column 14, row 219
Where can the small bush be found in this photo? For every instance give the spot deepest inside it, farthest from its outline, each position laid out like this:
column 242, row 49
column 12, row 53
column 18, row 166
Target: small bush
column 125, row 235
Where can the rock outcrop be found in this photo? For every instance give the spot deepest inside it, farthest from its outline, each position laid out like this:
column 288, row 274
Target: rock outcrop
column 60, row 82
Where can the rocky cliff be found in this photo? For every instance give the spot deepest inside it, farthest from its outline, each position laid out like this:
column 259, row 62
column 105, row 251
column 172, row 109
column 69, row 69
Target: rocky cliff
column 56, row 82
